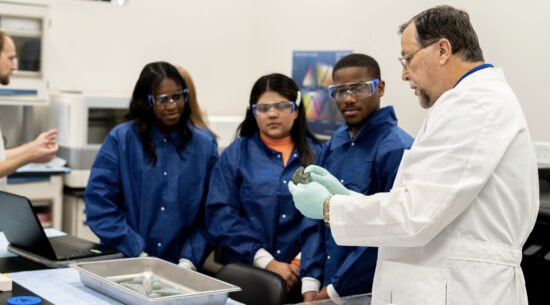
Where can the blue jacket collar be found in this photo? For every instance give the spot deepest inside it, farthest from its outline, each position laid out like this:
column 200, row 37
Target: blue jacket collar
column 383, row 118
column 157, row 136
column 256, row 138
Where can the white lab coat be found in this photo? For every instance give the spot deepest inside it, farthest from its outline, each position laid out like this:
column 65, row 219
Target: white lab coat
column 463, row 203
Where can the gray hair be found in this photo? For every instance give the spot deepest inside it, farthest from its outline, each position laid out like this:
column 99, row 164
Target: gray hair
column 450, row 23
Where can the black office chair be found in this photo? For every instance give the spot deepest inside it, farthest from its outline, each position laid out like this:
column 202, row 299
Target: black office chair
column 259, row 286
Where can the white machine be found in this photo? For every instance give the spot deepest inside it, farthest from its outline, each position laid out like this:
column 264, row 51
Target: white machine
column 27, row 23
column 83, row 121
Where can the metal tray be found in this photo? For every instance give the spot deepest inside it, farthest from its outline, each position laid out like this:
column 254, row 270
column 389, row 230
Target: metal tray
column 199, row 288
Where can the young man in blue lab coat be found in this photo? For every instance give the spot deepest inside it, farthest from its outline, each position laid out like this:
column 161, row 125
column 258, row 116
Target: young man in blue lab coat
column 43, row 148
column 364, row 154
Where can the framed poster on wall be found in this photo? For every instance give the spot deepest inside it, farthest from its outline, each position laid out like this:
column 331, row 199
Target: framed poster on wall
column 312, row 71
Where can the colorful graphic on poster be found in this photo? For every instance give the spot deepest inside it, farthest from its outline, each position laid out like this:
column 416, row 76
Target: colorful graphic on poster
column 312, row 71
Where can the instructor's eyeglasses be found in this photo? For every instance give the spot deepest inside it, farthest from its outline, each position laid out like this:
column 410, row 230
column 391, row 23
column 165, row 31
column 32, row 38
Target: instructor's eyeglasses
column 406, row 59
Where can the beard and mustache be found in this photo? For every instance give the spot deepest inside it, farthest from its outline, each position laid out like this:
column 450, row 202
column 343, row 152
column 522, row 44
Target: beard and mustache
column 4, row 80
column 424, row 99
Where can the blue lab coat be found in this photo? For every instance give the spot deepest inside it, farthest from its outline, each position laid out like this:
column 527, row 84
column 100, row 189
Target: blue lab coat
column 134, row 206
column 366, row 164
column 249, row 206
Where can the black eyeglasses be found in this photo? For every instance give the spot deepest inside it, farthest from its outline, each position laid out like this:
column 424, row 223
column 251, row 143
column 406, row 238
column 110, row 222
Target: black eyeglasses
column 405, row 59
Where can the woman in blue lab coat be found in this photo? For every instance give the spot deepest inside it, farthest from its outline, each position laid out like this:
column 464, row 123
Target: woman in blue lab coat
column 147, row 186
column 249, row 209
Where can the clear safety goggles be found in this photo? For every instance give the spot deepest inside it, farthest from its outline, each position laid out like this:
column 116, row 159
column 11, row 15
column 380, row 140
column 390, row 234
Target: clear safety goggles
column 164, row 99
column 279, row 107
column 357, row 90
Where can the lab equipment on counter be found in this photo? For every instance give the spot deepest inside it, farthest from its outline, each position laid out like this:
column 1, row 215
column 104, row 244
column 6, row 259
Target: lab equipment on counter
column 24, row 300
column 83, row 121
column 56, row 165
column 27, row 24
column 5, row 283
column 140, row 275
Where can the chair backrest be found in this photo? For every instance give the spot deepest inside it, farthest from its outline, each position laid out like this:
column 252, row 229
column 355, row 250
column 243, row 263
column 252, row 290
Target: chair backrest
column 259, row 286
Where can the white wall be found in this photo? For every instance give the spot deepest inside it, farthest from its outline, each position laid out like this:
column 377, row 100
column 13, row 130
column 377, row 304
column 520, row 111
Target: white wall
column 227, row 45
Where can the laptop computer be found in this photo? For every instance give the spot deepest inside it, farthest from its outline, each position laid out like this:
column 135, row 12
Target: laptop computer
column 28, row 239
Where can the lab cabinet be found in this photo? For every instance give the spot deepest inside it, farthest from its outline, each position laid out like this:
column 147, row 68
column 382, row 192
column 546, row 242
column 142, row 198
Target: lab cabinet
column 74, row 215
column 45, row 193
column 27, row 23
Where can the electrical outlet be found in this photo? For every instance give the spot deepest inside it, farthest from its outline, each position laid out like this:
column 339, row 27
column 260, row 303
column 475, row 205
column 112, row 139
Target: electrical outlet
column 542, row 149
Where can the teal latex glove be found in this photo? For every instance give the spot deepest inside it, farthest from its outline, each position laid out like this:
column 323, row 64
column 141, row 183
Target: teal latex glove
column 323, row 177
column 309, row 198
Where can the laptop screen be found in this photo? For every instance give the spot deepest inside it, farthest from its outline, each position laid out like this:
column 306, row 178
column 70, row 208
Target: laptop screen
column 21, row 226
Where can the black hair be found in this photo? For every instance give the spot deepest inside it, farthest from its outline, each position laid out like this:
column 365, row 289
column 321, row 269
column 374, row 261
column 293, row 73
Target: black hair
column 450, row 23
column 142, row 113
column 300, row 131
column 359, row 60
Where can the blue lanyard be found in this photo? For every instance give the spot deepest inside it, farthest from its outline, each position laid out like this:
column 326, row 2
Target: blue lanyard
column 480, row 67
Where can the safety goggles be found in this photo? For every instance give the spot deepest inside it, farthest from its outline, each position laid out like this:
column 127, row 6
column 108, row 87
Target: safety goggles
column 357, row 90
column 279, row 107
column 164, row 99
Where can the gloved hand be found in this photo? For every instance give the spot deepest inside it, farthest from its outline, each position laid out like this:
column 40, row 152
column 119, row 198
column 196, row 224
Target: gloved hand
column 309, row 198
column 187, row 264
column 323, row 177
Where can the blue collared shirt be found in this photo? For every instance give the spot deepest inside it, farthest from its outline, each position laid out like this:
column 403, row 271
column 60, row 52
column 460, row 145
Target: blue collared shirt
column 136, row 207
column 366, row 164
column 249, row 206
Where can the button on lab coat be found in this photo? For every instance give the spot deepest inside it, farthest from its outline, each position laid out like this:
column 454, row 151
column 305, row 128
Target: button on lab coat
column 464, row 201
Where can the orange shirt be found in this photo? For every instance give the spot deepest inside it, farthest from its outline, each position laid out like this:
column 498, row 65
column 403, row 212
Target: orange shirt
column 284, row 145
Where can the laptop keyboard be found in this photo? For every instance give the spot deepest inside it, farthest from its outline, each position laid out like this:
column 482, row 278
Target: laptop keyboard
column 64, row 250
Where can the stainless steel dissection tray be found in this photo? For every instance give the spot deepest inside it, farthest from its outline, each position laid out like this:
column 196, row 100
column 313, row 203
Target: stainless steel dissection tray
column 149, row 280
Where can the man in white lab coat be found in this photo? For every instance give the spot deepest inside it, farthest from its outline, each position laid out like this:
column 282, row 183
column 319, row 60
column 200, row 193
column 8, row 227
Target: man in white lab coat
column 466, row 196
column 41, row 149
